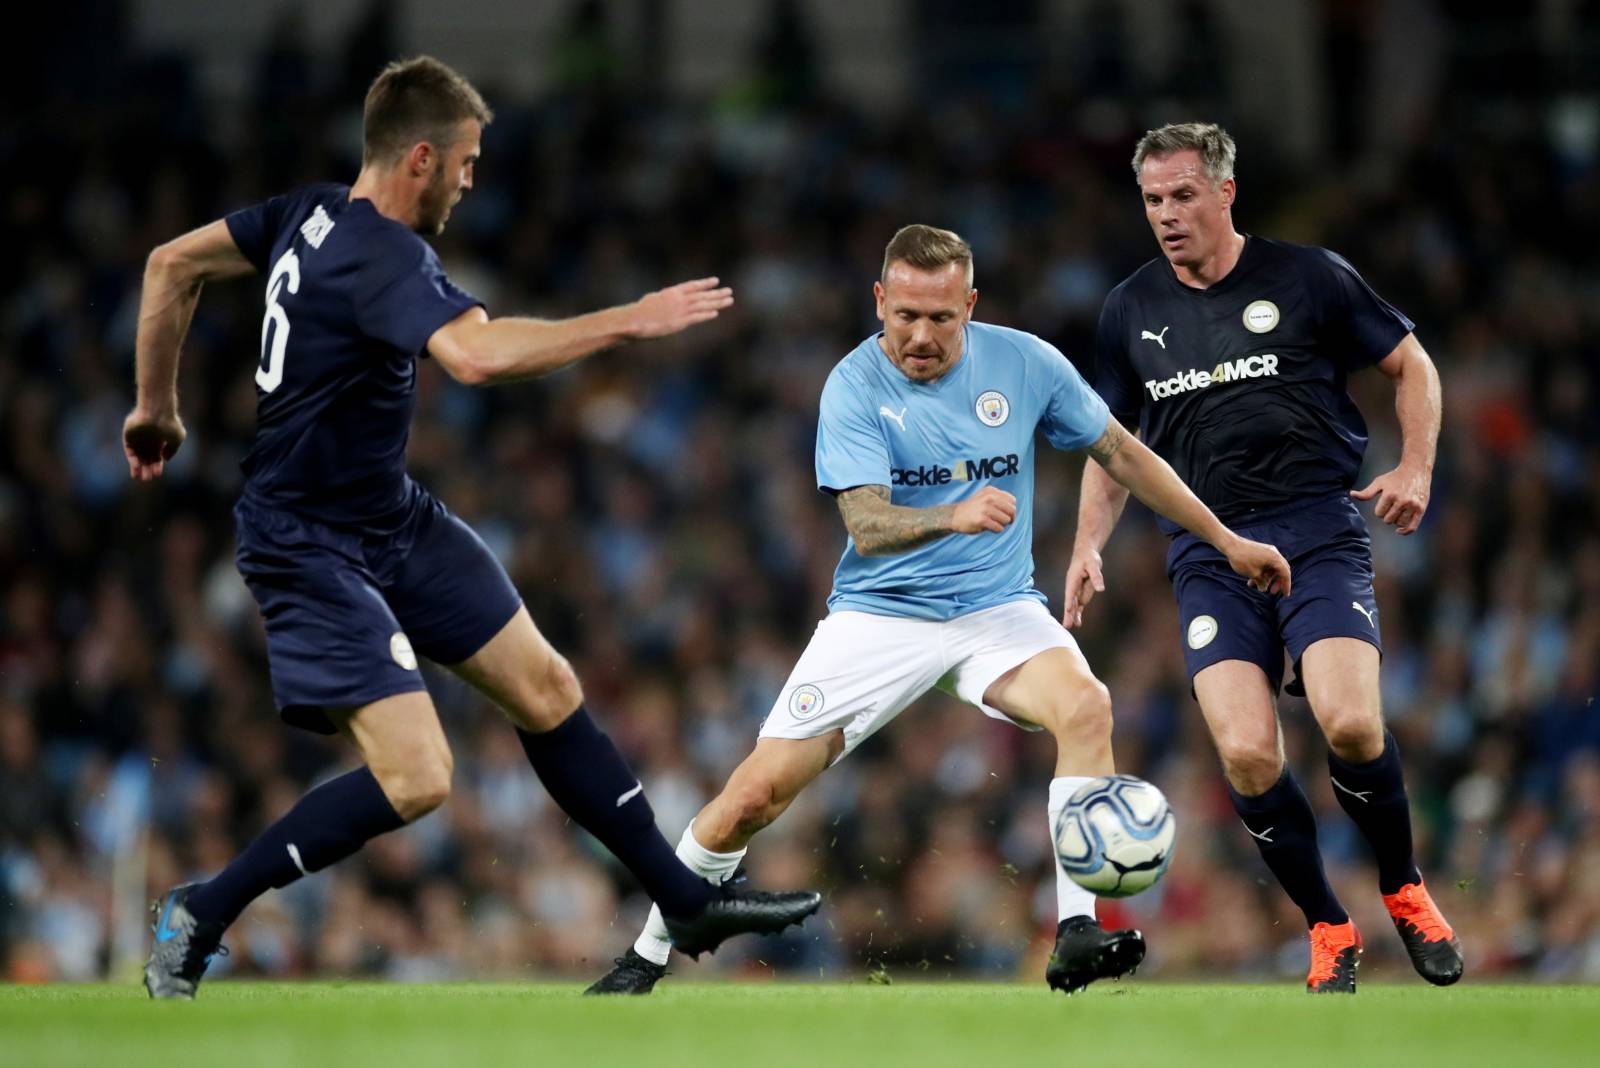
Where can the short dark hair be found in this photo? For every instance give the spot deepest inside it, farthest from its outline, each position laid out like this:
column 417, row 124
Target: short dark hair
column 926, row 248
column 418, row 99
column 1215, row 147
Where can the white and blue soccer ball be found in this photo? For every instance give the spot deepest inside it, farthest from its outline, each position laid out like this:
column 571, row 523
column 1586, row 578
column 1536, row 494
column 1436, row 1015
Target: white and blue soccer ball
column 1115, row 836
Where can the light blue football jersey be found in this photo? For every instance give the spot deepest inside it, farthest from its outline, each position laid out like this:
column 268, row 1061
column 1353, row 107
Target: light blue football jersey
column 937, row 443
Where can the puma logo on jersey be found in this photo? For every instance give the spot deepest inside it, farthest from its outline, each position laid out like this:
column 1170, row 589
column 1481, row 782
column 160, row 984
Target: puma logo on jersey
column 1227, row 371
column 1373, row 623
column 315, row 229
column 1159, row 339
column 899, row 420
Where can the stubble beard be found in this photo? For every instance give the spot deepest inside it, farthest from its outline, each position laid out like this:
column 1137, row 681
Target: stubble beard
column 434, row 208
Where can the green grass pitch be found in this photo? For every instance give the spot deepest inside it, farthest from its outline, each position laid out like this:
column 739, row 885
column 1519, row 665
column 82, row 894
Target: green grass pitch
column 762, row 1025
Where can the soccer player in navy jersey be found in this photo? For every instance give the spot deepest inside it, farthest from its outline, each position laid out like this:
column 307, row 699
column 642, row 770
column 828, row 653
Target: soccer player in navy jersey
column 357, row 569
column 1232, row 353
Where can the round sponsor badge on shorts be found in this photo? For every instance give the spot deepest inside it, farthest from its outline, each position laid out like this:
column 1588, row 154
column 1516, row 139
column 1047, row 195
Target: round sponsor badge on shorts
column 1261, row 316
column 400, row 649
column 805, row 702
column 1201, row 630
column 993, row 408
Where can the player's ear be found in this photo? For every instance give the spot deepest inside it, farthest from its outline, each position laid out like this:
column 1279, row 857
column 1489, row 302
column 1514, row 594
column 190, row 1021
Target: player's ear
column 972, row 301
column 1229, row 189
column 877, row 293
column 422, row 158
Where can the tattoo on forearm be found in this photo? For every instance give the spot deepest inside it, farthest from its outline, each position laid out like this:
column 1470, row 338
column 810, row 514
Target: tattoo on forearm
column 1104, row 449
column 880, row 528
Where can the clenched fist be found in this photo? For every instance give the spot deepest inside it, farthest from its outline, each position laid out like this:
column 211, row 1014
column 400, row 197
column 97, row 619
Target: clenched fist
column 149, row 440
column 1262, row 565
column 989, row 510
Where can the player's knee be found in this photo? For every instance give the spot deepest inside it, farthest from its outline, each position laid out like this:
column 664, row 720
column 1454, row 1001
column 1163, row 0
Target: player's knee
column 1252, row 765
column 563, row 683
column 1353, row 733
column 421, row 788
column 1084, row 714
column 556, row 692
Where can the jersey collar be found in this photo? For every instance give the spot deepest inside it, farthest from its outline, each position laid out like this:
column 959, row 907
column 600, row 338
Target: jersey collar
column 1228, row 281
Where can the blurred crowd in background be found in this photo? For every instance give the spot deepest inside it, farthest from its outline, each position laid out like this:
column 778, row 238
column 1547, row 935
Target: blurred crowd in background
column 657, row 509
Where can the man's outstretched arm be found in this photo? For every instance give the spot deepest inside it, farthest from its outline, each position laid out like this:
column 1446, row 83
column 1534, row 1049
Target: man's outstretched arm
column 1126, row 459
column 479, row 351
column 173, row 277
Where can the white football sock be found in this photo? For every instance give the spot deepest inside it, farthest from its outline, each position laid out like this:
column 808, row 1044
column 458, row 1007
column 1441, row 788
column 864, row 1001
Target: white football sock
column 654, row 943
column 1071, row 899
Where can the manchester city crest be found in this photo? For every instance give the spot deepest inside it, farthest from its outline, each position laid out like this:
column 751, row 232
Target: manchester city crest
column 805, row 702
column 993, row 408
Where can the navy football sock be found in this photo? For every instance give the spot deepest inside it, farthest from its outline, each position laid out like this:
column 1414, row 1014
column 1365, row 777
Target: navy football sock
column 324, row 827
column 588, row 778
column 1374, row 794
column 1285, row 830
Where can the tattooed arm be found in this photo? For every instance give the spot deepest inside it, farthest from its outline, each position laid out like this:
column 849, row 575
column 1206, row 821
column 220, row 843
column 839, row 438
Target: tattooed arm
column 883, row 529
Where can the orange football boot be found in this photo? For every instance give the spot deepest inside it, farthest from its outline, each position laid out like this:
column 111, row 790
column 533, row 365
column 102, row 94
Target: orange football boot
column 1335, row 953
column 1435, row 950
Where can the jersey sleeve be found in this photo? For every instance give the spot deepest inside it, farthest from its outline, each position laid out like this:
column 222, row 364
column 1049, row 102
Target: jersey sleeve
column 1114, row 378
column 1074, row 416
column 1361, row 327
column 254, row 229
column 851, row 447
column 404, row 295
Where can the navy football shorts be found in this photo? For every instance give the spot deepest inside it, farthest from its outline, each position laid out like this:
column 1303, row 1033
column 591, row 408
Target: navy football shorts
column 1327, row 546
column 348, row 612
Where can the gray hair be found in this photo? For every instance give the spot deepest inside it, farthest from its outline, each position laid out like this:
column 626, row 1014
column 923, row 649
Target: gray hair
column 1211, row 141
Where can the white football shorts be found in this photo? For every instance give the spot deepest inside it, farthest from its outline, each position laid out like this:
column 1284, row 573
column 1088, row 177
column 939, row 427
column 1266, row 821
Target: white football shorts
column 861, row 670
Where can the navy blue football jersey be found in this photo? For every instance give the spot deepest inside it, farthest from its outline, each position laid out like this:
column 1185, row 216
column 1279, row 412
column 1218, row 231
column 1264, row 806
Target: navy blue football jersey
column 351, row 300
column 1241, row 387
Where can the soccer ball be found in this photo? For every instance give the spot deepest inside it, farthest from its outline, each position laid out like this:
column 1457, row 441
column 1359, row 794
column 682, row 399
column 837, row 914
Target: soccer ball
column 1115, row 836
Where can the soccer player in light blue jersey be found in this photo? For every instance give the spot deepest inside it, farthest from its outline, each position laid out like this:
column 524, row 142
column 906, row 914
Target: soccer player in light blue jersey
column 926, row 441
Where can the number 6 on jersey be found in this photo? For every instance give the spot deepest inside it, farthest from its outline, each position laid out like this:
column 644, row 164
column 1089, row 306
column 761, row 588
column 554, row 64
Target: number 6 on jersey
column 269, row 376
